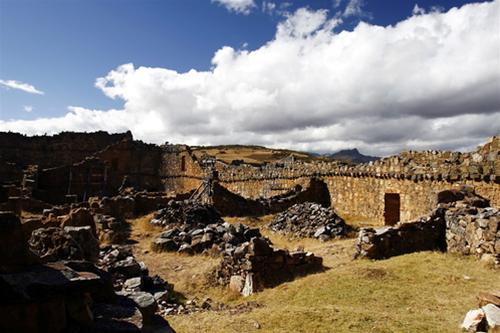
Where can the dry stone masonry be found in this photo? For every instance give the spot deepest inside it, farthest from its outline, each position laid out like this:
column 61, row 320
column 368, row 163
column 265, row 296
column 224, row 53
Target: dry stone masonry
column 98, row 164
column 256, row 265
column 463, row 223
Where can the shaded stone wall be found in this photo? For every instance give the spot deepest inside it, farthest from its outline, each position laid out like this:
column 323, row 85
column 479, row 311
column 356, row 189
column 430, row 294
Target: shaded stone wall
column 264, row 188
column 9, row 173
column 231, row 204
column 57, row 150
column 103, row 173
column 140, row 162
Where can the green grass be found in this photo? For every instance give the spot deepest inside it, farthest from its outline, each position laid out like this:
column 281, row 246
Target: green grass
column 420, row 292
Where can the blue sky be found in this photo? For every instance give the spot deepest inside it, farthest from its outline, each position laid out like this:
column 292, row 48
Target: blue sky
column 60, row 47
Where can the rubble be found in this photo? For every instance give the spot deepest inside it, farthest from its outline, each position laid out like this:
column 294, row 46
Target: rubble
column 54, row 244
column 255, row 265
column 195, row 228
column 63, row 296
column 310, row 220
column 186, row 212
column 199, row 238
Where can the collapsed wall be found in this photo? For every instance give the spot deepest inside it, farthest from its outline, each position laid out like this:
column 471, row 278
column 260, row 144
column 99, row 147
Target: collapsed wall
column 232, row 204
column 256, row 265
column 462, row 223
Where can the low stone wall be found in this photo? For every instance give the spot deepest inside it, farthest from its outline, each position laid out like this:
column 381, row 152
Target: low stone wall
column 255, row 265
column 426, row 234
column 463, row 223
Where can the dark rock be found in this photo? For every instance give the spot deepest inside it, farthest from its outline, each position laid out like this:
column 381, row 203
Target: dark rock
column 310, row 220
column 14, row 252
column 53, row 244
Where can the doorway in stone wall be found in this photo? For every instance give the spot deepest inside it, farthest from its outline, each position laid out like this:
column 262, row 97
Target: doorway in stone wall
column 392, row 207
column 183, row 163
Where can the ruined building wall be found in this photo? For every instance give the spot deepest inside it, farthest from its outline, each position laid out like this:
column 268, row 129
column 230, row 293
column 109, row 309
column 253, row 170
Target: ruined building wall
column 365, row 196
column 103, row 173
column 415, row 177
column 180, row 172
column 50, row 151
column 140, row 162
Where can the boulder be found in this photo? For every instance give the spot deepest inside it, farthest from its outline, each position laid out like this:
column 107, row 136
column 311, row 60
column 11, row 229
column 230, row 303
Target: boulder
column 14, row 252
column 87, row 241
column 79, row 217
column 53, row 244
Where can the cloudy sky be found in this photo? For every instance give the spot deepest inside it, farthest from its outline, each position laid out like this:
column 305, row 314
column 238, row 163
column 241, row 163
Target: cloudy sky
column 383, row 76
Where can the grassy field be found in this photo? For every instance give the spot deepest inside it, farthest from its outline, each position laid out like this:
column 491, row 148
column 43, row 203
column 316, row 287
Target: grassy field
column 420, row 292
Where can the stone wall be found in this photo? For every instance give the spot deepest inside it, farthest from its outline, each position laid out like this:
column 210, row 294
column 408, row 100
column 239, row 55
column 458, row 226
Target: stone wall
column 360, row 190
column 364, row 196
column 462, row 223
column 50, row 151
column 474, row 231
column 232, row 204
column 180, row 172
column 140, row 162
column 413, row 178
column 425, row 234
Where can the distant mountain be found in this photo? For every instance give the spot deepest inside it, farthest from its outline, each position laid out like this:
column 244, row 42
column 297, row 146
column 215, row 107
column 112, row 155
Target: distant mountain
column 352, row 155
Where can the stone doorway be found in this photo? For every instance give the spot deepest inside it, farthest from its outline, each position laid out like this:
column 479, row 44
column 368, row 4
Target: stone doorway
column 183, row 163
column 392, row 207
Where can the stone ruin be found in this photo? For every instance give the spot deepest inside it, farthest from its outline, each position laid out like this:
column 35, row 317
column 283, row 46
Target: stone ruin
column 462, row 223
column 65, row 265
column 47, row 294
column 247, row 256
column 310, row 220
column 256, row 265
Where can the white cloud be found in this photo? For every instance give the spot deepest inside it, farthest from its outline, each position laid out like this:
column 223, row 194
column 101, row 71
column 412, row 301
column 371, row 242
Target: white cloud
column 268, row 7
column 28, row 108
column 355, row 8
column 237, row 6
column 417, row 10
column 426, row 82
column 13, row 84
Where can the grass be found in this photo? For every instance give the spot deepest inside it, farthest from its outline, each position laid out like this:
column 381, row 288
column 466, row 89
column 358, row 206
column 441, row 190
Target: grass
column 420, row 292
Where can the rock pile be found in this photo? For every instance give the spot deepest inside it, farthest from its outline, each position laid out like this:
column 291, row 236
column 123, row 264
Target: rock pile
column 197, row 238
column 255, row 265
column 64, row 296
column 310, row 220
column 151, row 294
column 69, row 243
column 487, row 316
column 112, row 230
column 186, row 212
